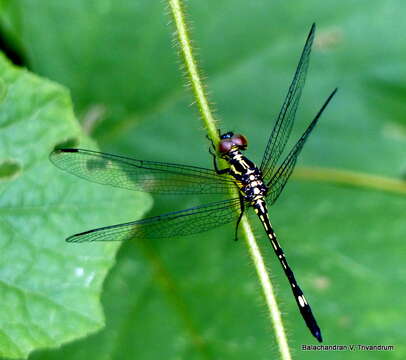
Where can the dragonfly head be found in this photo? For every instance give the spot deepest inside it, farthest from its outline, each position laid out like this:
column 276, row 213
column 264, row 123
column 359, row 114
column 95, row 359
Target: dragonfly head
column 230, row 141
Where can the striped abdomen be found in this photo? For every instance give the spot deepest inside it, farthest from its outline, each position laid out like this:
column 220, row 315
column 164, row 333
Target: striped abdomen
column 262, row 212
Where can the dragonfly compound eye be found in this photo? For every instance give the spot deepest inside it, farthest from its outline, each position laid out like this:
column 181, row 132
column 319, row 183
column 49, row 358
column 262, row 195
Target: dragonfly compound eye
column 225, row 146
column 240, row 141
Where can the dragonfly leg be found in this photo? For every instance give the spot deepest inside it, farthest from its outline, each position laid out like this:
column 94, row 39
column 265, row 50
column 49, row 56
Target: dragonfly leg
column 218, row 171
column 242, row 207
column 211, row 141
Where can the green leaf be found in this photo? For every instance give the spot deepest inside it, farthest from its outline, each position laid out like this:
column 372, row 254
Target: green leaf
column 49, row 289
column 197, row 297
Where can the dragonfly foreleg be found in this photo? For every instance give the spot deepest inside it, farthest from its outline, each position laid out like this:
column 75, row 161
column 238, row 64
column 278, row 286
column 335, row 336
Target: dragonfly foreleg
column 216, row 168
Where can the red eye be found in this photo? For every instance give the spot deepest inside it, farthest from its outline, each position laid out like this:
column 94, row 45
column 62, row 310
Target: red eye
column 240, row 141
column 225, row 146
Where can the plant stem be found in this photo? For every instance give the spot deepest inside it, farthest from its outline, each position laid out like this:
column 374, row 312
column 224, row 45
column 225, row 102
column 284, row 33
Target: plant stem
column 351, row 178
column 191, row 67
column 267, row 290
column 192, row 71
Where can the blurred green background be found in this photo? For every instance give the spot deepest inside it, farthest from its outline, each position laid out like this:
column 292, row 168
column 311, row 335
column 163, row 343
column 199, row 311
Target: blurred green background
column 198, row 297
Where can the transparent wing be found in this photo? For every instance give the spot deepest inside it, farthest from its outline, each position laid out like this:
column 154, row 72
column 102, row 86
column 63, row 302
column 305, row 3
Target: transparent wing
column 283, row 127
column 140, row 175
column 174, row 224
column 281, row 176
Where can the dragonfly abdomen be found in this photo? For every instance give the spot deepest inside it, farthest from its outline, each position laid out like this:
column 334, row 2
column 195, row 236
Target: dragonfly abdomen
column 262, row 212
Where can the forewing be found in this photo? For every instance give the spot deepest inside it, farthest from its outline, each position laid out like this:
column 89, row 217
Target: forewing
column 283, row 127
column 140, row 175
column 179, row 223
column 278, row 181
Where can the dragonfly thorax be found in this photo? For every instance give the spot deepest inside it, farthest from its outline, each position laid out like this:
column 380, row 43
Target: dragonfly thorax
column 248, row 176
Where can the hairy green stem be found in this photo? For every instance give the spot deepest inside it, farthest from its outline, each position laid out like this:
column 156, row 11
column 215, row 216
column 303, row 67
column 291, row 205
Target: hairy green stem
column 192, row 71
column 267, row 290
column 191, row 67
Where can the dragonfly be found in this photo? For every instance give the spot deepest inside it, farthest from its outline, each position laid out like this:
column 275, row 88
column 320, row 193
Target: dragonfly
column 258, row 187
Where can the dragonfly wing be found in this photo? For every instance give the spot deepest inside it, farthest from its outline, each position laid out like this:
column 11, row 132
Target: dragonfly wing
column 283, row 127
column 174, row 224
column 140, row 175
column 278, row 181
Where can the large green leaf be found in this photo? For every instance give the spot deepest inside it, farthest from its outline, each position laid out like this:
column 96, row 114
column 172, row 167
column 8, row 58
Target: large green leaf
column 198, row 297
column 49, row 290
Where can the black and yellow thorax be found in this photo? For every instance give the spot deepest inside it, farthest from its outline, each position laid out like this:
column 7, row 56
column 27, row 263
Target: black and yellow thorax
column 247, row 175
